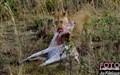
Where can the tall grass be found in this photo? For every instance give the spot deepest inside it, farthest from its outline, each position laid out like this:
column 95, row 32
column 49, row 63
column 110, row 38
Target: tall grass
column 97, row 38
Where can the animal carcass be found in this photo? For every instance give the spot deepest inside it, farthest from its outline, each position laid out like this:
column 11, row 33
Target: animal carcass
column 56, row 50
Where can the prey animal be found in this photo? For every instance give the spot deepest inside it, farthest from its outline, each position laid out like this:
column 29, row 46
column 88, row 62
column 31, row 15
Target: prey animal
column 57, row 48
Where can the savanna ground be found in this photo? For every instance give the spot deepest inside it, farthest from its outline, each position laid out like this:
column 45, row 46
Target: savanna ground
column 27, row 26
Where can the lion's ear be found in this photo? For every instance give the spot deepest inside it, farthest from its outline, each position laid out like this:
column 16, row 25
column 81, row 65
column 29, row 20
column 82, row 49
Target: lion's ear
column 64, row 14
column 53, row 14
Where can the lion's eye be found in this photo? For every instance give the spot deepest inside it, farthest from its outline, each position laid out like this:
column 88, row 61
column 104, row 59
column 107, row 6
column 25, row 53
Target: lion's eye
column 61, row 21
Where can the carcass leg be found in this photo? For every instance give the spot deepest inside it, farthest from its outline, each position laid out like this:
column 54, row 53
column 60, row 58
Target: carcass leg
column 38, row 58
column 38, row 53
column 53, row 59
column 76, row 55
